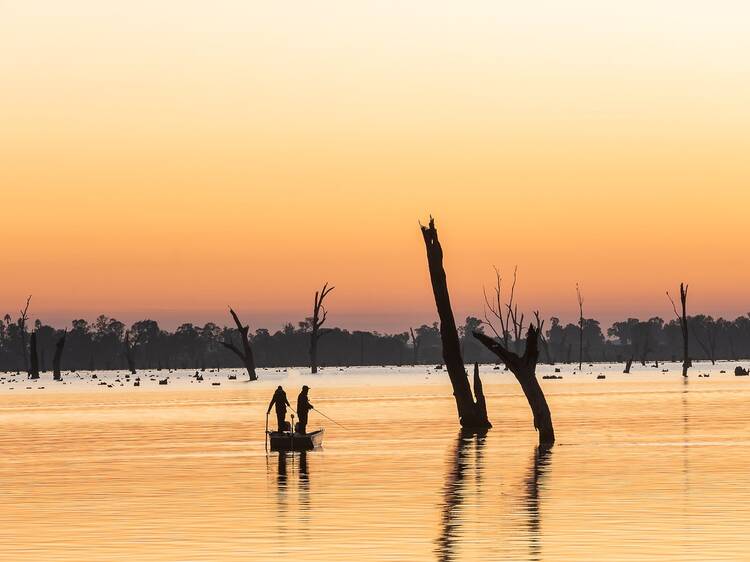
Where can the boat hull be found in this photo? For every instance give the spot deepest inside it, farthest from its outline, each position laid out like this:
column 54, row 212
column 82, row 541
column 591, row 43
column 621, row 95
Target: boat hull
column 297, row 442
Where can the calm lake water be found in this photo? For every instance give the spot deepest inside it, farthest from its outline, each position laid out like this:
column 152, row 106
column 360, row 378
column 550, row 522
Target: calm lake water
column 647, row 466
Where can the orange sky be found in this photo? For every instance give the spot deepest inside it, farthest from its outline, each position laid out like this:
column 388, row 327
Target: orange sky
column 164, row 159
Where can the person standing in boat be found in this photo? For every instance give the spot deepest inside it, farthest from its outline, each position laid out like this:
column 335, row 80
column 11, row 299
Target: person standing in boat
column 281, row 402
column 303, row 408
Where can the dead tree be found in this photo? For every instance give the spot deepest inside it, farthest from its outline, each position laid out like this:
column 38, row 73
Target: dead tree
column 246, row 354
column 22, row 328
column 318, row 319
column 507, row 314
column 542, row 339
column 709, row 344
column 34, row 357
column 686, row 361
column 129, row 353
column 524, row 369
column 471, row 414
column 580, row 325
column 57, row 359
column 415, row 342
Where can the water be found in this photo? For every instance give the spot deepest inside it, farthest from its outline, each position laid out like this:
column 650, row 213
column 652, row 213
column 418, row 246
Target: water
column 647, row 466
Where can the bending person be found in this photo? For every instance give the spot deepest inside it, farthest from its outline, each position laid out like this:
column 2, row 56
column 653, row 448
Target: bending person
column 279, row 399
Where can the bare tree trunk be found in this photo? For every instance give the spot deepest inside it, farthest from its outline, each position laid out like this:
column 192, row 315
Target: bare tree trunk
column 129, row 353
column 524, row 368
column 319, row 317
column 58, row 357
column 247, row 351
column 34, row 357
column 471, row 414
column 22, row 326
column 686, row 361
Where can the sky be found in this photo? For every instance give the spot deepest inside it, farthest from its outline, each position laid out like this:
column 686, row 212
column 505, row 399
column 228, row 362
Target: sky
column 166, row 159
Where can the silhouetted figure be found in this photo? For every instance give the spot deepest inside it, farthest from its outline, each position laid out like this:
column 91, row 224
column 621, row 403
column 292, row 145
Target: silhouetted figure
column 281, row 402
column 303, row 408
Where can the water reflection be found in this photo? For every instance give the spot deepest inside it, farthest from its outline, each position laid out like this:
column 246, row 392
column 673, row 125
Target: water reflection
column 455, row 494
column 304, row 487
column 454, row 491
column 285, row 459
column 539, row 466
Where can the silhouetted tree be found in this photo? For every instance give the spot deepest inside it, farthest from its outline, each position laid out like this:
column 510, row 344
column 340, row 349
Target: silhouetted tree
column 57, row 375
column 705, row 331
column 471, row 414
column 318, row 319
column 524, row 369
column 247, row 351
column 414, row 347
column 542, row 339
column 129, row 353
column 22, row 329
column 507, row 314
column 34, row 358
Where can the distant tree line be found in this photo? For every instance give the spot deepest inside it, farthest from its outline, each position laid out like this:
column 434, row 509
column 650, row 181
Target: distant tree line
column 101, row 344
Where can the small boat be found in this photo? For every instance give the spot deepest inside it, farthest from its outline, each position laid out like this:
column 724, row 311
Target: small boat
column 288, row 441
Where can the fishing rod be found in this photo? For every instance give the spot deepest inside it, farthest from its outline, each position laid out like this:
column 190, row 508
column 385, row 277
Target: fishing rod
column 334, row 421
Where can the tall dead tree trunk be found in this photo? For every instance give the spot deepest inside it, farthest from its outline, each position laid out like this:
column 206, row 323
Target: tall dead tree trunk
column 33, row 357
column 524, row 369
column 318, row 319
column 628, row 364
column 686, row 361
column 129, row 355
column 57, row 359
column 471, row 414
column 246, row 354
column 22, row 328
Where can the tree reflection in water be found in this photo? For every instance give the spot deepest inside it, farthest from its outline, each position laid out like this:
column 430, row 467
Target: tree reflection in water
column 454, row 494
column 454, row 491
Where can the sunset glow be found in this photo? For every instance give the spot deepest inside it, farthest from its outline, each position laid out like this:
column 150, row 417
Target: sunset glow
column 165, row 160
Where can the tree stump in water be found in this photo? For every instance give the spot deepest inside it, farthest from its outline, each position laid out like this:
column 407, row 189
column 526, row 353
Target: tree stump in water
column 524, row 369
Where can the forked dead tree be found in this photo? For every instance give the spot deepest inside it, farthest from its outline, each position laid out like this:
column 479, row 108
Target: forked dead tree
column 522, row 366
column 129, row 353
column 33, row 357
column 686, row 361
column 318, row 319
column 524, row 369
column 57, row 359
column 246, row 353
column 472, row 414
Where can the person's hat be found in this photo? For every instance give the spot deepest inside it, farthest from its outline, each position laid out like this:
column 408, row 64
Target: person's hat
column 305, row 387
